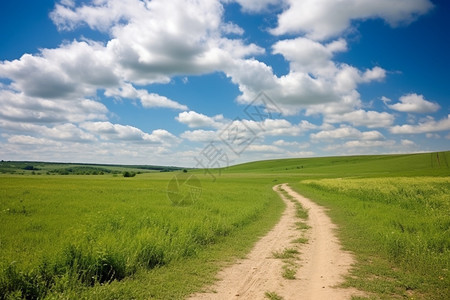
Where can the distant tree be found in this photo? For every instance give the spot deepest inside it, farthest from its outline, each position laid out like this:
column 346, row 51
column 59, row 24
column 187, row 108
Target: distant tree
column 31, row 168
column 184, row 171
column 129, row 174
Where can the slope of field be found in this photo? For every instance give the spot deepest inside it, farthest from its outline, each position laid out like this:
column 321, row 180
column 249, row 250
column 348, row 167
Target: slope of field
column 433, row 164
column 84, row 237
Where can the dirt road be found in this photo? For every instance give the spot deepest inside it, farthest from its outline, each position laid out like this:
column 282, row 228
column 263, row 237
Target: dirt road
column 320, row 266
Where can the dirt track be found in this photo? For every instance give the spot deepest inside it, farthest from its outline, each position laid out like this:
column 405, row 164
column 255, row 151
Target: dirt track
column 321, row 263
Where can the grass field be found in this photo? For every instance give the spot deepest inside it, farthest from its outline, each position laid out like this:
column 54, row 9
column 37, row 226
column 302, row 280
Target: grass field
column 105, row 237
column 399, row 227
column 61, row 235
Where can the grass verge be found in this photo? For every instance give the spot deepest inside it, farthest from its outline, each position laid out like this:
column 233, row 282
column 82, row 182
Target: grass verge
column 398, row 228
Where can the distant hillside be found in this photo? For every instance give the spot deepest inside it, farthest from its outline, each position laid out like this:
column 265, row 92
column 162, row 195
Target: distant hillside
column 436, row 163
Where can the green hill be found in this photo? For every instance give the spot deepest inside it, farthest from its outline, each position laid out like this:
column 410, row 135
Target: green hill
column 433, row 164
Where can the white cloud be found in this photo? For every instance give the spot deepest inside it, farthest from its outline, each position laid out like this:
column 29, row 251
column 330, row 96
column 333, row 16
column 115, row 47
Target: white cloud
column 51, row 100
column 117, row 132
column 275, row 127
column 200, row 135
column 264, row 148
column 314, row 81
column 406, row 142
column 433, row 136
column 194, row 120
column 71, row 71
column 278, row 127
column 345, row 132
column 19, row 107
column 430, row 125
column 368, row 144
column 30, row 140
column 325, row 19
column 66, row 132
column 148, row 100
column 306, row 55
column 190, row 41
column 370, row 119
column 240, row 129
column 413, row 103
column 231, row 28
column 155, row 100
column 283, row 143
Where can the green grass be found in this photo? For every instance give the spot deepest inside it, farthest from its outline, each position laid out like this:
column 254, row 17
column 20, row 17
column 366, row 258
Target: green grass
column 105, row 237
column 349, row 166
column 273, row 296
column 300, row 240
column 289, row 272
column 286, row 253
column 399, row 228
column 75, row 236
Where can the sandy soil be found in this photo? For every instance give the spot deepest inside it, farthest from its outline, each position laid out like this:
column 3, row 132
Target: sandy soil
column 321, row 263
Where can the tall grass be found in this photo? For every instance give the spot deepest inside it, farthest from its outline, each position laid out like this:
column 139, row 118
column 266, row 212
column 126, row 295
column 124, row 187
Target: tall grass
column 402, row 223
column 59, row 236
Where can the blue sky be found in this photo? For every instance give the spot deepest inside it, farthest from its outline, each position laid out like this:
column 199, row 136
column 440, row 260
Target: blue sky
column 175, row 82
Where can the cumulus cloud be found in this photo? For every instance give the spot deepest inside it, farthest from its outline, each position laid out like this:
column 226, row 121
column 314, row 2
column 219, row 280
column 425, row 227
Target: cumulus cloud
column 148, row 100
column 75, row 69
column 243, row 132
column 274, row 127
column 283, row 143
column 231, row 28
column 314, row 78
column 370, row 119
column 19, row 107
column 264, row 148
column 190, row 41
column 194, row 119
column 406, row 142
column 52, row 98
column 414, row 103
column 31, row 140
column 117, row 132
column 429, row 125
column 320, row 20
column 345, row 132
column 368, row 144
column 309, row 56
column 60, row 133
column 200, row 135
column 433, row 136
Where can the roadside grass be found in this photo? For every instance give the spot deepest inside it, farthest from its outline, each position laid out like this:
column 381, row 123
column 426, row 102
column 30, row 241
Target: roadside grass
column 302, row 225
column 290, row 255
column 300, row 240
column 112, row 237
column 399, row 229
column 289, row 271
column 286, row 253
column 273, row 296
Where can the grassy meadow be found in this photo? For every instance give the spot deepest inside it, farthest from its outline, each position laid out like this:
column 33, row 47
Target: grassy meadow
column 72, row 236
column 399, row 227
column 110, row 237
